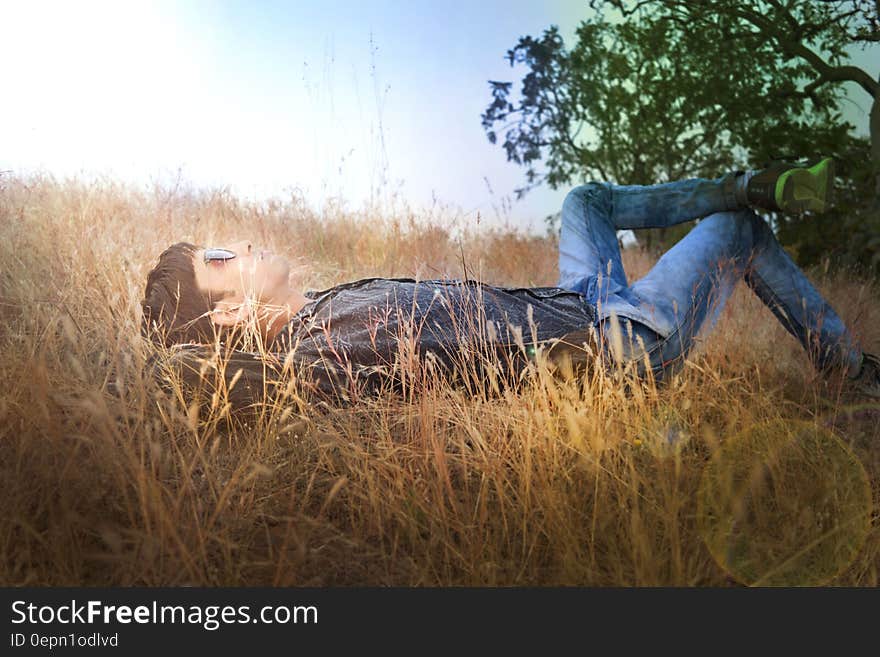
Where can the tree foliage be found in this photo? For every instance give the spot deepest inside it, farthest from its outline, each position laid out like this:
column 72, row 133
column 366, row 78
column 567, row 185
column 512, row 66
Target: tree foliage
column 665, row 89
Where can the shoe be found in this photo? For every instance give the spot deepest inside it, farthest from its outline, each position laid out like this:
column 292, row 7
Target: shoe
column 785, row 187
column 868, row 380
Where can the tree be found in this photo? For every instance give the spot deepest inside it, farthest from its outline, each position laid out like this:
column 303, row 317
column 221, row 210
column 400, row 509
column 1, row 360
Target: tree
column 814, row 33
column 817, row 35
column 671, row 90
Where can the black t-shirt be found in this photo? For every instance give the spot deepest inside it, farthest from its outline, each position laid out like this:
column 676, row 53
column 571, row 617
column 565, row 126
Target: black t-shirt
column 375, row 332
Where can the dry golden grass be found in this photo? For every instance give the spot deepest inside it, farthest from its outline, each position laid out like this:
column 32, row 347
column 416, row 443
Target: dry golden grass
column 563, row 483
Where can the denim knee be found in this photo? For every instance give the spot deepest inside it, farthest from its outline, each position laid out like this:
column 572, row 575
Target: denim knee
column 744, row 229
column 761, row 231
column 580, row 199
column 754, row 230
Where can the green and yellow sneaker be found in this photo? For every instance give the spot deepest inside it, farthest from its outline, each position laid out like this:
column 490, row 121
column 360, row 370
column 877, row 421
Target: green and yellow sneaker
column 791, row 188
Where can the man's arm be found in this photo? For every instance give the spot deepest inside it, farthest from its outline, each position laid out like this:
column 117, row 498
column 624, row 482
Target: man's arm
column 199, row 372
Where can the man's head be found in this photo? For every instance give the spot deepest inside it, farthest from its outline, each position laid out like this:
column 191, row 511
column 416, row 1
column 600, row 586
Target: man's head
column 194, row 293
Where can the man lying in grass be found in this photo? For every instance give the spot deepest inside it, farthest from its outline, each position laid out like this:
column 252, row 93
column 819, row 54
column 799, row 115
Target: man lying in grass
column 367, row 333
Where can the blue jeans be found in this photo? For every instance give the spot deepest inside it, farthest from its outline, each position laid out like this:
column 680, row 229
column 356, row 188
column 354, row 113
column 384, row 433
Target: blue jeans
column 690, row 284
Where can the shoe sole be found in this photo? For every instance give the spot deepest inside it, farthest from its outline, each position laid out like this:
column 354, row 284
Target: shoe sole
column 806, row 190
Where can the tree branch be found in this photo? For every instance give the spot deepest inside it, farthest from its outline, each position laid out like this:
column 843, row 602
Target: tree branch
column 707, row 132
column 621, row 7
column 826, row 71
column 807, row 92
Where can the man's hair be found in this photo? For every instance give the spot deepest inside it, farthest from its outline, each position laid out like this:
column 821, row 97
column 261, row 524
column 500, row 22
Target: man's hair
column 175, row 310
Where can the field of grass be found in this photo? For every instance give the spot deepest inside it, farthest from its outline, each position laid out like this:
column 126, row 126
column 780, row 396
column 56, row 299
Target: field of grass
column 746, row 469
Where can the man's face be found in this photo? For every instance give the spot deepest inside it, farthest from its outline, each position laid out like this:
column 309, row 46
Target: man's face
column 253, row 274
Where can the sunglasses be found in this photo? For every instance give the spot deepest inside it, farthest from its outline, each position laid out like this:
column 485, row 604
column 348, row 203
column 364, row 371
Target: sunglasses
column 218, row 254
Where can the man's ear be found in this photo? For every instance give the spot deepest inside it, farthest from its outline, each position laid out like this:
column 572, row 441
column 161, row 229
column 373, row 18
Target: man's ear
column 231, row 313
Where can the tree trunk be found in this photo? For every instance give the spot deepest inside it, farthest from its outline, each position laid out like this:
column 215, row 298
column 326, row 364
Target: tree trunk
column 875, row 148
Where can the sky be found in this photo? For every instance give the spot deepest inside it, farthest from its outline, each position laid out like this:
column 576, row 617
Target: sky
column 352, row 101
